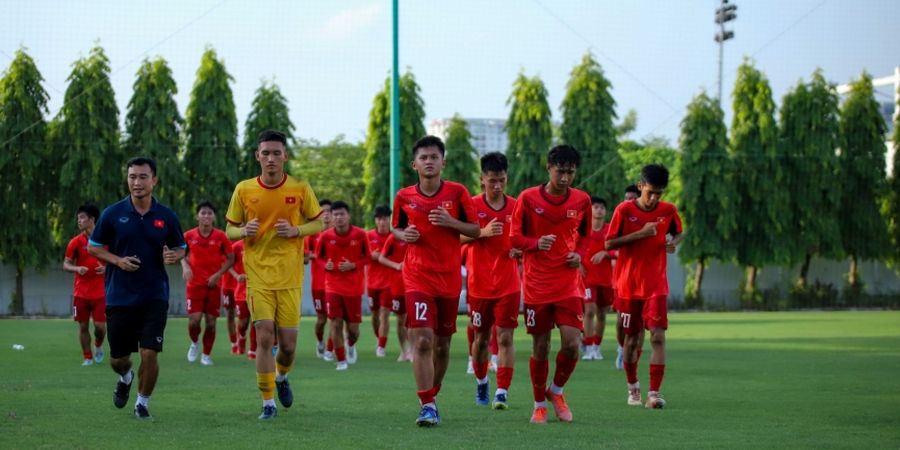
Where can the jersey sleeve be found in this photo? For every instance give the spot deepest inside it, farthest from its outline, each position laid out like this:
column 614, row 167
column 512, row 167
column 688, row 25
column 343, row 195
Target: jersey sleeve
column 399, row 218
column 584, row 231
column 72, row 250
column 104, row 231
column 519, row 228
column 226, row 244
column 675, row 227
column 311, row 209
column 467, row 207
column 388, row 246
column 235, row 213
column 175, row 238
column 615, row 224
column 365, row 251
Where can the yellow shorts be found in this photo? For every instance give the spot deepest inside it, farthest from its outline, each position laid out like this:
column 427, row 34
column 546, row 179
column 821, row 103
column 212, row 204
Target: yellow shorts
column 279, row 305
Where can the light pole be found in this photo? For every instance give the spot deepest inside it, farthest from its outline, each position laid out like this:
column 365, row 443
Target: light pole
column 395, row 108
column 724, row 13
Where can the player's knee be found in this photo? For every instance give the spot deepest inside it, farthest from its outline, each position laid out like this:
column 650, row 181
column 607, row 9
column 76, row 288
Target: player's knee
column 658, row 338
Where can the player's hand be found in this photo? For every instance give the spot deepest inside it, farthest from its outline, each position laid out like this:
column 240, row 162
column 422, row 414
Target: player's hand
column 573, row 259
column 515, row 253
column 213, row 280
column 546, row 241
column 100, row 270
column 400, row 267
column 649, row 229
column 169, row 256
column 376, row 255
column 598, row 257
column 329, row 266
column 129, row 263
column 284, row 229
column 242, row 278
column 440, row 217
column 346, row 266
column 251, row 228
column 411, row 234
column 493, row 228
column 81, row 270
column 670, row 246
column 187, row 273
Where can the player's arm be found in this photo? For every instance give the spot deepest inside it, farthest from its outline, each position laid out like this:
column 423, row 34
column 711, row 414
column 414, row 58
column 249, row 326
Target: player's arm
column 675, row 233
column 214, row 279
column 69, row 266
column 518, row 230
column 648, row 230
column 310, row 228
column 186, row 272
column 126, row 263
column 493, row 228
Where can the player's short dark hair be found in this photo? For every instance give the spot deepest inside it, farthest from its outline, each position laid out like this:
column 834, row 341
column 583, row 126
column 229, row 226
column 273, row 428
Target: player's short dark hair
column 494, row 162
column 600, row 200
column 324, row 202
column 271, row 135
column 338, row 204
column 655, row 175
column 633, row 189
column 428, row 141
column 205, row 204
column 382, row 211
column 142, row 161
column 90, row 209
column 563, row 155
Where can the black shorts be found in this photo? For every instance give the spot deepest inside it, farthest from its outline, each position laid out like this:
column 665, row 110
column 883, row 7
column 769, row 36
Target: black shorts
column 136, row 326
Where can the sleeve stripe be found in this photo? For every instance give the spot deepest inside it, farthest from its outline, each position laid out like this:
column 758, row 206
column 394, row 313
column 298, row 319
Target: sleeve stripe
column 94, row 244
column 231, row 221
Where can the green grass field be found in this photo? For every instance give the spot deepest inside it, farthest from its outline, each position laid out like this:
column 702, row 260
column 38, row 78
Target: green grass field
column 757, row 380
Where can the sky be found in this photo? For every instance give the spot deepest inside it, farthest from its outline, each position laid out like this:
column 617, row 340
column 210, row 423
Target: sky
column 330, row 58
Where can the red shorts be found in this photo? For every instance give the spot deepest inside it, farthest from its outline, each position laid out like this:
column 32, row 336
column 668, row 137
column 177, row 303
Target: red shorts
column 541, row 318
column 344, row 307
column 319, row 301
column 398, row 305
column 243, row 312
column 437, row 313
column 379, row 298
column 203, row 299
column 645, row 314
column 84, row 309
column 228, row 298
column 619, row 304
column 601, row 295
column 503, row 311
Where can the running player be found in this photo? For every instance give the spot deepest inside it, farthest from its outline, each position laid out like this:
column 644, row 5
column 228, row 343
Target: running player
column 430, row 216
column 227, row 285
column 273, row 212
column 644, row 231
column 89, row 294
column 317, row 274
column 494, row 291
column 392, row 256
column 209, row 257
column 631, row 192
column 345, row 250
column 598, row 280
column 240, row 302
column 551, row 223
column 378, row 279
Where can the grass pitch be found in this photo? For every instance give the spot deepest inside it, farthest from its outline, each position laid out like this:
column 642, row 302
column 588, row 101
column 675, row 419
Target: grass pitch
column 749, row 380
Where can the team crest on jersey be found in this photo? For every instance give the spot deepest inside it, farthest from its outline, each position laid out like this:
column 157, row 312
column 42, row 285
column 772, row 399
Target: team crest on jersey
column 660, row 219
column 354, row 242
column 539, row 210
column 194, row 242
column 447, row 204
column 159, row 223
column 509, row 218
column 290, row 200
column 571, row 213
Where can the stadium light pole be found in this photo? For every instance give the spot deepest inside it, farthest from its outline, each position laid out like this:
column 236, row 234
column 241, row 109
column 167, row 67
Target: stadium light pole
column 724, row 13
column 395, row 110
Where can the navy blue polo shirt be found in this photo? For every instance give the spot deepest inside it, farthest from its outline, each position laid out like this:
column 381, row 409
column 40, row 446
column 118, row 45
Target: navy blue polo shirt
column 125, row 232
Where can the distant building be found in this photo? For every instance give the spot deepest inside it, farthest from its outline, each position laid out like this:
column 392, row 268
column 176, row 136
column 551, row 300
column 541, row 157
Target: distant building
column 488, row 135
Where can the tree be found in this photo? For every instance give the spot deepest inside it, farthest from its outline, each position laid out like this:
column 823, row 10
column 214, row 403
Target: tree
column 462, row 157
column 153, row 129
column 862, row 177
column 891, row 207
column 87, row 136
column 809, row 140
column 761, row 199
column 588, row 111
column 529, row 131
column 269, row 110
column 627, row 125
column 211, row 152
column 376, row 168
column 333, row 171
column 25, row 172
column 707, row 196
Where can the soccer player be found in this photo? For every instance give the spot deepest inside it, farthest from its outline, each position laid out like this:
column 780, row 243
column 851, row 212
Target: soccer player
column 88, row 295
column 631, row 192
column 345, row 250
column 209, row 256
column 272, row 213
column 378, row 279
column 227, row 285
column 317, row 275
column 494, row 291
column 644, row 231
column 392, row 255
column 240, row 301
column 598, row 280
column 550, row 224
column 137, row 237
column 430, row 216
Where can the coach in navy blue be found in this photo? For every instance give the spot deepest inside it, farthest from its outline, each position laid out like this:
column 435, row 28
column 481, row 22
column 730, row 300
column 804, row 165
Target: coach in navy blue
column 137, row 236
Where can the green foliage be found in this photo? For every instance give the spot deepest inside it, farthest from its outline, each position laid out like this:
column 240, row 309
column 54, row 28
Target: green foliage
column 153, row 129
column 707, row 197
column 861, row 173
column 333, row 171
column 26, row 170
column 809, row 140
column 636, row 155
column 588, row 111
column 529, row 132
column 627, row 125
column 462, row 157
column 268, row 111
column 211, row 152
column 87, row 137
column 891, row 207
column 376, row 168
column 761, row 200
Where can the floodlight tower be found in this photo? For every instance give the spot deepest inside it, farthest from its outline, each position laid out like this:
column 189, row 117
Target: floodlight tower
column 724, row 13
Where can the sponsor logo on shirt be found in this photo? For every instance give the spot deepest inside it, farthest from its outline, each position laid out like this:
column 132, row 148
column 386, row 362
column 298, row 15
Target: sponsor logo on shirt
column 632, row 219
column 571, row 213
column 290, row 200
column 254, row 199
column 123, row 219
column 159, row 223
column 509, row 218
column 194, row 242
column 412, row 205
column 539, row 210
column 482, row 215
column 332, row 242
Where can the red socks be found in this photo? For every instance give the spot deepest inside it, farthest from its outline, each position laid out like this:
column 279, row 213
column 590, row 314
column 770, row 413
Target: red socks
column 564, row 368
column 504, row 377
column 657, row 371
column 330, row 345
column 194, row 333
column 539, row 371
column 382, row 341
column 481, row 369
column 98, row 342
column 351, row 341
column 426, row 396
column 631, row 372
column 341, row 354
column 209, row 337
column 232, row 336
column 88, row 355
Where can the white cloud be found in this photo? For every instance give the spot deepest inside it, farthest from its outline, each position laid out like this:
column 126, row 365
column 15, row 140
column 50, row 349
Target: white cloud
column 350, row 21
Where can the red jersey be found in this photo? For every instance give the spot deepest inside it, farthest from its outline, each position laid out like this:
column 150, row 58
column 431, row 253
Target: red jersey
column 352, row 246
column 548, row 277
column 491, row 272
column 432, row 264
column 395, row 250
column 640, row 271
column 378, row 276
column 598, row 274
column 227, row 282
column 317, row 269
column 90, row 285
column 240, row 289
column 206, row 254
